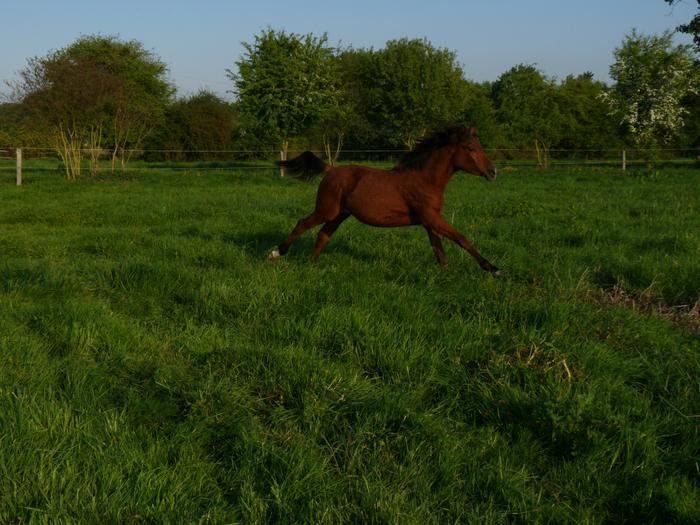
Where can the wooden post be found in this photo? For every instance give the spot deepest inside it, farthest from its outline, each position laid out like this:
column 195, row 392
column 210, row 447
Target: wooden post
column 624, row 160
column 19, row 166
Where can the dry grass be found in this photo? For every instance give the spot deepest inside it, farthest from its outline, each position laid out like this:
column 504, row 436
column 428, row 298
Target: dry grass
column 649, row 303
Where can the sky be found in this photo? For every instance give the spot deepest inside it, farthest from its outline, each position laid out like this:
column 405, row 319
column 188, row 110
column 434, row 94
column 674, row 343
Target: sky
column 200, row 39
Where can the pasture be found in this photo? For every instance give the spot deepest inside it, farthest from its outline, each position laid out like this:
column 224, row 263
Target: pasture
column 154, row 367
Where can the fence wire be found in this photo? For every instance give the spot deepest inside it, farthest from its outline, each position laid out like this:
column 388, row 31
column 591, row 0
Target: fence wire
column 46, row 159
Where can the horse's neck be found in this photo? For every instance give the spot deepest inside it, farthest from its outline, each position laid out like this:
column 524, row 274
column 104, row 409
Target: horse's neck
column 439, row 171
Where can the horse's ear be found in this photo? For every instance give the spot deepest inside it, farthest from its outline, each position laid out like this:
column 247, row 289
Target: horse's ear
column 472, row 132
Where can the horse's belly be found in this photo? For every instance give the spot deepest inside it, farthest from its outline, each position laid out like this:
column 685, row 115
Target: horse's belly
column 385, row 221
column 381, row 214
column 378, row 201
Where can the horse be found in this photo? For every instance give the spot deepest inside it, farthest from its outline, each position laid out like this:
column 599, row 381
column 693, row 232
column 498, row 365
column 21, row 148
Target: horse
column 412, row 193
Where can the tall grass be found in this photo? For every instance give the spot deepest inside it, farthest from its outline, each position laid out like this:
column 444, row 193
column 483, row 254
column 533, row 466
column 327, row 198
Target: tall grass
column 155, row 368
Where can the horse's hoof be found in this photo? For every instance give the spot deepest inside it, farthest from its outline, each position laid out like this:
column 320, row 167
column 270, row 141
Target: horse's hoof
column 497, row 273
column 274, row 254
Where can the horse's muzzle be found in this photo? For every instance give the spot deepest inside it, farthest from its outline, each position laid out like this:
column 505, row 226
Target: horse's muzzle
column 491, row 174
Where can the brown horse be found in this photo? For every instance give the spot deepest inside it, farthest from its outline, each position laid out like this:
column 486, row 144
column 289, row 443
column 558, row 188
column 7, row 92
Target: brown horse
column 409, row 194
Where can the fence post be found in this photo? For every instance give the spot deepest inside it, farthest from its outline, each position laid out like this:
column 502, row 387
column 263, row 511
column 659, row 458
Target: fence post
column 19, row 166
column 283, row 156
column 624, row 160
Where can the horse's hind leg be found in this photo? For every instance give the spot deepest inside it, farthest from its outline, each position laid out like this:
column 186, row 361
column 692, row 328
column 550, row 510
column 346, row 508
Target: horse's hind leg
column 324, row 235
column 305, row 223
column 327, row 209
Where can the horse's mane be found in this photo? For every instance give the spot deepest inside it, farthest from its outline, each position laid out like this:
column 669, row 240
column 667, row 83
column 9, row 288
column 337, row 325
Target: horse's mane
column 418, row 156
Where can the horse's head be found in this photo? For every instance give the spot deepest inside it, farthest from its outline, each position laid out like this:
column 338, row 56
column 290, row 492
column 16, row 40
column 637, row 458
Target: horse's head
column 470, row 156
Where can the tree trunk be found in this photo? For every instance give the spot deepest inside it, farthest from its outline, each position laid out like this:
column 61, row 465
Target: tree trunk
column 331, row 155
column 542, row 154
column 283, row 154
column 68, row 143
column 95, row 148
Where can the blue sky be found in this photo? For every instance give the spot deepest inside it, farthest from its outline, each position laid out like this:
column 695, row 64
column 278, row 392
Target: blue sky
column 200, row 39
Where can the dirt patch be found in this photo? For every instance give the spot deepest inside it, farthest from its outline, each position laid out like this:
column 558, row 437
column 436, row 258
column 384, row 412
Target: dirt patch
column 683, row 315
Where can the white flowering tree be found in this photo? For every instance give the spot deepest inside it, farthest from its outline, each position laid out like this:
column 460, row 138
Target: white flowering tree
column 652, row 77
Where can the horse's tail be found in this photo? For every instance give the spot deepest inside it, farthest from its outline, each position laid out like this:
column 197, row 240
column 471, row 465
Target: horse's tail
column 304, row 167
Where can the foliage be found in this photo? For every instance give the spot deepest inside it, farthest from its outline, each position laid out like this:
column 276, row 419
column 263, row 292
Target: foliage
column 284, row 83
column 97, row 91
column 528, row 107
column 342, row 113
column 690, row 134
column 12, row 131
column 353, row 67
column 294, row 89
column 70, row 99
column 155, row 369
column 692, row 27
column 584, row 114
column 480, row 112
column 652, row 77
column 195, row 127
column 412, row 88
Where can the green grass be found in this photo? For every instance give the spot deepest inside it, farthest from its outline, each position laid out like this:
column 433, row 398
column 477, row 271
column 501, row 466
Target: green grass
column 154, row 368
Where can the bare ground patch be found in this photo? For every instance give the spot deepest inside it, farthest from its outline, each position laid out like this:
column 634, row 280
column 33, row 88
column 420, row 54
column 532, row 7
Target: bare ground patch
column 682, row 315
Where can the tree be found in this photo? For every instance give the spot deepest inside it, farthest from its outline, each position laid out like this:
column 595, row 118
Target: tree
column 68, row 99
column 652, row 77
column 284, row 82
column 584, row 114
column 12, row 131
column 689, row 136
column 349, row 121
column 97, row 90
column 691, row 28
column 480, row 112
column 332, row 126
column 527, row 107
column 195, row 124
column 413, row 87
column 139, row 104
column 345, row 114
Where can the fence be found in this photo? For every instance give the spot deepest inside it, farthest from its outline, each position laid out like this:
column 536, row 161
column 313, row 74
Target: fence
column 42, row 159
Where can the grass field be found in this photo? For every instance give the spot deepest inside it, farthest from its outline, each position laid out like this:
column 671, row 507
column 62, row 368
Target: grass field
column 154, row 368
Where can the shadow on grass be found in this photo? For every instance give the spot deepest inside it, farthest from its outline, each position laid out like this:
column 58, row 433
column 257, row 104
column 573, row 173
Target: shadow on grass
column 258, row 245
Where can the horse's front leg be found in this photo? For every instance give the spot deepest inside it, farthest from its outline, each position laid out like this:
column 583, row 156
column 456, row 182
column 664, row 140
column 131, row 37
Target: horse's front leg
column 437, row 223
column 436, row 244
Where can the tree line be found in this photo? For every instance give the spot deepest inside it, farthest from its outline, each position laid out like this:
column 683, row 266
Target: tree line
column 103, row 98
